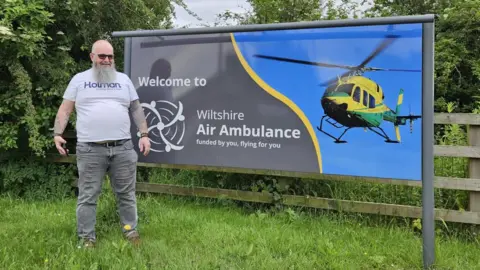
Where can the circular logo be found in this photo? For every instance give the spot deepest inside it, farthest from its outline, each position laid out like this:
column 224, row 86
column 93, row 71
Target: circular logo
column 166, row 125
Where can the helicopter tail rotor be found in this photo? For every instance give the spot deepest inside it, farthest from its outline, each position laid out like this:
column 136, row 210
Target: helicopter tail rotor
column 397, row 112
column 397, row 133
column 402, row 119
column 399, row 102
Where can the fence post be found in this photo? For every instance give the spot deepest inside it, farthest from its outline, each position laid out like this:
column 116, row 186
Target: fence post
column 474, row 166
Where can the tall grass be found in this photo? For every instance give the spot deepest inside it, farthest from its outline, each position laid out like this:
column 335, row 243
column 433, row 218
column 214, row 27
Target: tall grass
column 181, row 233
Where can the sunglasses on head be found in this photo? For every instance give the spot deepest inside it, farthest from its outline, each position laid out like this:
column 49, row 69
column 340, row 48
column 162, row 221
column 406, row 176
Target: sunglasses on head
column 103, row 56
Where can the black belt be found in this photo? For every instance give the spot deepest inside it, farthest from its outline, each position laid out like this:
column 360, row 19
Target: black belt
column 113, row 143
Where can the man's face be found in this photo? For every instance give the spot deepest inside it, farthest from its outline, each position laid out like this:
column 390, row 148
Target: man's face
column 102, row 57
column 102, row 62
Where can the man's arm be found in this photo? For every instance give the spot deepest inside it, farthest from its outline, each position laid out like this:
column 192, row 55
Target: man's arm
column 63, row 114
column 138, row 116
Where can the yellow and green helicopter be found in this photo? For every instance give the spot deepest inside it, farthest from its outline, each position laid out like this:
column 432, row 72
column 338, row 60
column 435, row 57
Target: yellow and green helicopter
column 352, row 100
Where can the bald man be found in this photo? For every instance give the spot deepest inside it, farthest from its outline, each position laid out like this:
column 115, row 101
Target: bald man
column 104, row 99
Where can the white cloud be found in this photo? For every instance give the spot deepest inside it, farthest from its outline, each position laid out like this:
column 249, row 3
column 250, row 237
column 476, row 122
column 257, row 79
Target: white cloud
column 207, row 10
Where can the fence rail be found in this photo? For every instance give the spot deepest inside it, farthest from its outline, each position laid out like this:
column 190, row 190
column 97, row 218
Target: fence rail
column 471, row 184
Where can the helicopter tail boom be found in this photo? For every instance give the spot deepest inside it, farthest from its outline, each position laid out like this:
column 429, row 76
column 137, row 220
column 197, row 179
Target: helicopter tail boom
column 391, row 115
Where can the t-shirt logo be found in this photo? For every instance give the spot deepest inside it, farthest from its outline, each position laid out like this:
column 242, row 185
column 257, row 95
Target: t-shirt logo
column 102, row 86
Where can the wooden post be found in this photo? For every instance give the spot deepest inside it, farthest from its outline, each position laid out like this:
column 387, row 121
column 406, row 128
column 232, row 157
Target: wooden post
column 474, row 166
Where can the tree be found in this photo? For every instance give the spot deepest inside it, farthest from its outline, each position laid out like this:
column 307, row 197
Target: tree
column 43, row 43
column 277, row 11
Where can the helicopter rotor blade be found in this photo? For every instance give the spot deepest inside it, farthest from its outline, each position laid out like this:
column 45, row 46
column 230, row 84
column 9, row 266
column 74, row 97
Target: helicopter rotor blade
column 381, row 47
column 389, row 39
column 391, row 69
column 303, row 62
column 334, row 80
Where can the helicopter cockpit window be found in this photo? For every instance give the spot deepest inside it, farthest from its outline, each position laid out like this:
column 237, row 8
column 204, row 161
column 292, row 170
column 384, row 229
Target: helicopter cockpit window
column 331, row 88
column 372, row 102
column 356, row 94
column 365, row 98
column 345, row 88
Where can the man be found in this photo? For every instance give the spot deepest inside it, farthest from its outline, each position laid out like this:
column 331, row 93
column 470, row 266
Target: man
column 103, row 99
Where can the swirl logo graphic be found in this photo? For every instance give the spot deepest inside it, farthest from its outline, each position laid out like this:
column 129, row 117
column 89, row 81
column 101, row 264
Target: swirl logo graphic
column 166, row 125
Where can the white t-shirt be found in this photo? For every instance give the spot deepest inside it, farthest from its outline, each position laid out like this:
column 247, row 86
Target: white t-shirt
column 102, row 108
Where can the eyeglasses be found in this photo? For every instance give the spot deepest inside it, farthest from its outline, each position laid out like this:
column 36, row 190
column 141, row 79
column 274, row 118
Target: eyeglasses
column 103, row 56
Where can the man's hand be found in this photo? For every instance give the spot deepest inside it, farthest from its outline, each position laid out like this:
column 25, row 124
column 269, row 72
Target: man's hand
column 61, row 122
column 144, row 145
column 139, row 119
column 58, row 143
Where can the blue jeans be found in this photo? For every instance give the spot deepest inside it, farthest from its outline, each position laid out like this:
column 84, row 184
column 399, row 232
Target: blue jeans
column 93, row 162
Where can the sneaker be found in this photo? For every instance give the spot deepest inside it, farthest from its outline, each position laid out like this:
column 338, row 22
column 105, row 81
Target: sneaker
column 86, row 243
column 133, row 237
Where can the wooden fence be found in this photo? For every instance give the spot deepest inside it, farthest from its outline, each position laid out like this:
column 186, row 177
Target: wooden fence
column 470, row 184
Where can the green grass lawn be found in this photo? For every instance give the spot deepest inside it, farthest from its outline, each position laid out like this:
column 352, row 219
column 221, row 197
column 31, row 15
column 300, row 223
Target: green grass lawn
column 196, row 234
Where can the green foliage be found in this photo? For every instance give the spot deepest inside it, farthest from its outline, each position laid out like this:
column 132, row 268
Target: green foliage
column 458, row 54
column 276, row 11
column 43, row 44
column 23, row 37
column 36, row 180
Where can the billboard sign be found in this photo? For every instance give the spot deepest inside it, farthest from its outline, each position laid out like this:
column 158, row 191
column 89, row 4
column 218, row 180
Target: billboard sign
column 344, row 97
column 338, row 100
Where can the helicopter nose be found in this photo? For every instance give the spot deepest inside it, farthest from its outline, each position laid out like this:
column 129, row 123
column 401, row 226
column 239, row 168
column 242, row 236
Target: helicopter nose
column 343, row 106
column 332, row 104
column 326, row 102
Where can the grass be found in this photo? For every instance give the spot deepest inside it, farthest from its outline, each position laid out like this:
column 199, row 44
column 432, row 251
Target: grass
column 181, row 233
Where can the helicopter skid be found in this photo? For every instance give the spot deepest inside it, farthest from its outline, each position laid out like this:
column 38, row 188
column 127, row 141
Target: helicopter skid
column 383, row 134
column 339, row 139
column 336, row 140
column 334, row 123
column 328, row 120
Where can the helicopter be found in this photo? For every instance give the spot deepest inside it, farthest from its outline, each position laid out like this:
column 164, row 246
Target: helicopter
column 354, row 101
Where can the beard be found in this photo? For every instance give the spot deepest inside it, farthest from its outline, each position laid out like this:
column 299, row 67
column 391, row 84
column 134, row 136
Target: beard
column 104, row 74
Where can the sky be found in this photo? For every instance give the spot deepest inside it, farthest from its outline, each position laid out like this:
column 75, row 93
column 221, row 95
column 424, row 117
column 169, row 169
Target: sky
column 208, row 9
column 366, row 153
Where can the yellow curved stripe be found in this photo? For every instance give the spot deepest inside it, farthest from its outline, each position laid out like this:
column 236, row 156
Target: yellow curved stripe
column 280, row 97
